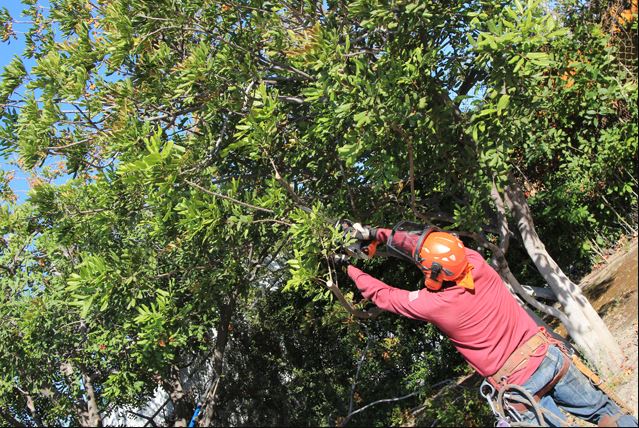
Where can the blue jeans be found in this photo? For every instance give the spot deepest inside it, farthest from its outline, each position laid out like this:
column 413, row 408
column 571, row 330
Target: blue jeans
column 573, row 393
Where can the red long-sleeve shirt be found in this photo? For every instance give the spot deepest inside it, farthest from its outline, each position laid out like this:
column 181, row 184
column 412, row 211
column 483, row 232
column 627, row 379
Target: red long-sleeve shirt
column 485, row 324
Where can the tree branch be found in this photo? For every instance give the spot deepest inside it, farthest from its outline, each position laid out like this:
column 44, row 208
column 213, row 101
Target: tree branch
column 93, row 412
column 385, row 400
column 31, row 406
column 8, row 417
column 359, row 367
column 370, row 314
column 502, row 221
column 501, row 265
column 147, row 418
column 411, row 167
column 289, row 189
column 228, row 198
column 209, row 404
column 294, row 100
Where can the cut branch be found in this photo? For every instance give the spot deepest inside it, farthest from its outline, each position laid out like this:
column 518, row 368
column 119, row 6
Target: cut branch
column 358, row 313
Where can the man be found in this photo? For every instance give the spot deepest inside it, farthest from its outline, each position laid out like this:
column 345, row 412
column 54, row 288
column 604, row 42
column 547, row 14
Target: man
column 468, row 302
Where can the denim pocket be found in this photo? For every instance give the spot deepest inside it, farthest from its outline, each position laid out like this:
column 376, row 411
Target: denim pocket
column 546, row 371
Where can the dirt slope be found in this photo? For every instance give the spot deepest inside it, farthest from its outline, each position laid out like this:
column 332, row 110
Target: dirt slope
column 612, row 289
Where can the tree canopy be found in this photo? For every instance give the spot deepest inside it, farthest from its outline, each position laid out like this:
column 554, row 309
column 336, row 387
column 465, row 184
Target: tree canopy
column 206, row 149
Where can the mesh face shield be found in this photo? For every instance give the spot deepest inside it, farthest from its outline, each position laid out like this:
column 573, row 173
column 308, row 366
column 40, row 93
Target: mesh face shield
column 406, row 240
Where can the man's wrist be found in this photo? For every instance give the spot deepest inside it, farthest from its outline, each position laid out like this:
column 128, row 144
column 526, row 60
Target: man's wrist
column 373, row 232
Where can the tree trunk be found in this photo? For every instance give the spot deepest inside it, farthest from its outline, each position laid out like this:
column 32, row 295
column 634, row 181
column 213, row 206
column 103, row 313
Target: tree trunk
column 209, row 404
column 92, row 414
column 182, row 406
column 87, row 411
column 584, row 325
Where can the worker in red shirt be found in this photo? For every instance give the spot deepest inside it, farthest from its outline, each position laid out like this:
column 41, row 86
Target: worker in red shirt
column 467, row 301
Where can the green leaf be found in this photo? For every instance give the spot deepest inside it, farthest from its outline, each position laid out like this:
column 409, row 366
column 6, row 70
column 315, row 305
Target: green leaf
column 503, row 102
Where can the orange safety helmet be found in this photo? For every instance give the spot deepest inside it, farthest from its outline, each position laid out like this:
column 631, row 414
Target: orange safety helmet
column 441, row 257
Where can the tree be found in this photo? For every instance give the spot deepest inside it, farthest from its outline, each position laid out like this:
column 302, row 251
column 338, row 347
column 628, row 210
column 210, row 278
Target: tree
column 210, row 147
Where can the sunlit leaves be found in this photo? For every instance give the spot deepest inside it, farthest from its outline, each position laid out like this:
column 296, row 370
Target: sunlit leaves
column 213, row 147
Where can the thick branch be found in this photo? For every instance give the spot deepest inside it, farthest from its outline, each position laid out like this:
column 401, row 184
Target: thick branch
column 502, row 221
column 181, row 408
column 471, row 79
column 93, row 418
column 209, row 404
column 586, row 326
column 31, row 406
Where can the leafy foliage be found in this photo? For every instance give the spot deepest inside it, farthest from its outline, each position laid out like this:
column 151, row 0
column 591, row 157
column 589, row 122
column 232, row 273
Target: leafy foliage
column 208, row 148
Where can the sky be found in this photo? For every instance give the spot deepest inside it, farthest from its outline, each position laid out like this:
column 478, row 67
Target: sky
column 8, row 50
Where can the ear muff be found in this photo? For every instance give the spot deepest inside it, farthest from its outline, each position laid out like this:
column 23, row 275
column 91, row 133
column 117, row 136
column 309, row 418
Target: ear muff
column 432, row 282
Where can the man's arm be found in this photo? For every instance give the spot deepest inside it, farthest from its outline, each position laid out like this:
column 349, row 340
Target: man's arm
column 403, row 242
column 402, row 302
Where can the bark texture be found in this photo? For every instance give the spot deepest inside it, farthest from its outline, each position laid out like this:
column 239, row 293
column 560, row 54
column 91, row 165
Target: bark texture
column 182, row 405
column 209, row 404
column 91, row 415
column 582, row 322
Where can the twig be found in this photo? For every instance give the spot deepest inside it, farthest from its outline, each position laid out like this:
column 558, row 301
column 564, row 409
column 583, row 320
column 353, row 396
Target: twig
column 411, row 174
column 289, row 188
column 411, row 165
column 66, row 146
column 351, row 198
column 385, row 400
column 272, row 220
column 228, row 198
column 360, row 363
column 140, row 415
column 295, row 100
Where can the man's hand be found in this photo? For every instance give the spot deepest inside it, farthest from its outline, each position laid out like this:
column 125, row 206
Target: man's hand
column 340, row 261
column 361, row 233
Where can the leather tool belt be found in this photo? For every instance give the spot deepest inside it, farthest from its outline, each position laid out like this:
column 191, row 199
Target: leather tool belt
column 521, row 356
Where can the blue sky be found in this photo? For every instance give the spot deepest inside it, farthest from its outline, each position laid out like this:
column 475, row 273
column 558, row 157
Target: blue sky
column 7, row 51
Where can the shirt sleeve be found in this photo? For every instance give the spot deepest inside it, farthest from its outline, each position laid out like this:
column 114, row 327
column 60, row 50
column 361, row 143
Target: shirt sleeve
column 404, row 241
column 396, row 300
column 382, row 235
